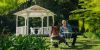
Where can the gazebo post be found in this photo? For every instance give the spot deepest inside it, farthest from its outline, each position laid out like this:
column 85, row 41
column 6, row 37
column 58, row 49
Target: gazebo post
column 47, row 22
column 42, row 25
column 25, row 25
column 27, row 22
column 16, row 23
column 53, row 20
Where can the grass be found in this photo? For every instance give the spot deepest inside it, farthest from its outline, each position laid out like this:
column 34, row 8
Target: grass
column 81, row 44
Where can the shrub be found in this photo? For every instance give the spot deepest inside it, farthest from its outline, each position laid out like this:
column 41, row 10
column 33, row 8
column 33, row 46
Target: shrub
column 88, row 34
column 93, row 35
column 22, row 43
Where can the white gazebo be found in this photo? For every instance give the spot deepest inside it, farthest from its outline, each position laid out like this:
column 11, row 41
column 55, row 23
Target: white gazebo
column 33, row 11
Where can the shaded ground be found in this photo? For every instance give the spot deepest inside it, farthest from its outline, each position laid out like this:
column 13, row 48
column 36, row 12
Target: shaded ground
column 81, row 44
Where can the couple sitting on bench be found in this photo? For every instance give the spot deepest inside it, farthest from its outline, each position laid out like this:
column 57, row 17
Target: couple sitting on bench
column 59, row 35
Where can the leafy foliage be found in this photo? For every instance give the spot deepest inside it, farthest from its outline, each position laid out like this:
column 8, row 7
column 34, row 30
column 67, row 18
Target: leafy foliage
column 7, row 24
column 22, row 43
column 90, row 14
column 9, row 5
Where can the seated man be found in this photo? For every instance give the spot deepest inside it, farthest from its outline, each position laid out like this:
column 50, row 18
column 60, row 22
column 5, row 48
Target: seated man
column 55, row 31
column 54, row 35
column 74, row 36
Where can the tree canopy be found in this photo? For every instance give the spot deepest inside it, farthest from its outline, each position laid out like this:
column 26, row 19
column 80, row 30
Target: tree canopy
column 58, row 6
column 88, row 16
column 9, row 5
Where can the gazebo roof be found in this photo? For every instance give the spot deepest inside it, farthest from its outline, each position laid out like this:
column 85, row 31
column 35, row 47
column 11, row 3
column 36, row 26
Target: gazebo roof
column 35, row 11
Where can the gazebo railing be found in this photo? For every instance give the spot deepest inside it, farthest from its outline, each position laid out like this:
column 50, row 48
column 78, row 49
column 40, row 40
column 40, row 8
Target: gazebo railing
column 46, row 30
column 20, row 30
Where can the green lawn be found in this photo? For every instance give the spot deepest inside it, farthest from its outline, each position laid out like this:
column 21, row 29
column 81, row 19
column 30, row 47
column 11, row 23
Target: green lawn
column 81, row 44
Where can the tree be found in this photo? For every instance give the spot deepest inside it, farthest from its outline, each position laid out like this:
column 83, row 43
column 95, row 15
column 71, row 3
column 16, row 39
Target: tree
column 9, row 5
column 89, row 11
column 7, row 24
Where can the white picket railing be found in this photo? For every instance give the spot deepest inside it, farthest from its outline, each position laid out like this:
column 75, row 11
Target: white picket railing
column 46, row 30
column 20, row 30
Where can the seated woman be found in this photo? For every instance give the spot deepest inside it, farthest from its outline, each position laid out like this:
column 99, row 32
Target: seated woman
column 67, row 28
column 64, row 28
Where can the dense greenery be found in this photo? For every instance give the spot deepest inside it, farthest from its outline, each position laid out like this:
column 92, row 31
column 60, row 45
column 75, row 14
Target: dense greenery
column 59, row 7
column 7, row 24
column 86, row 11
column 9, row 5
column 30, row 42
column 22, row 43
column 88, row 16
